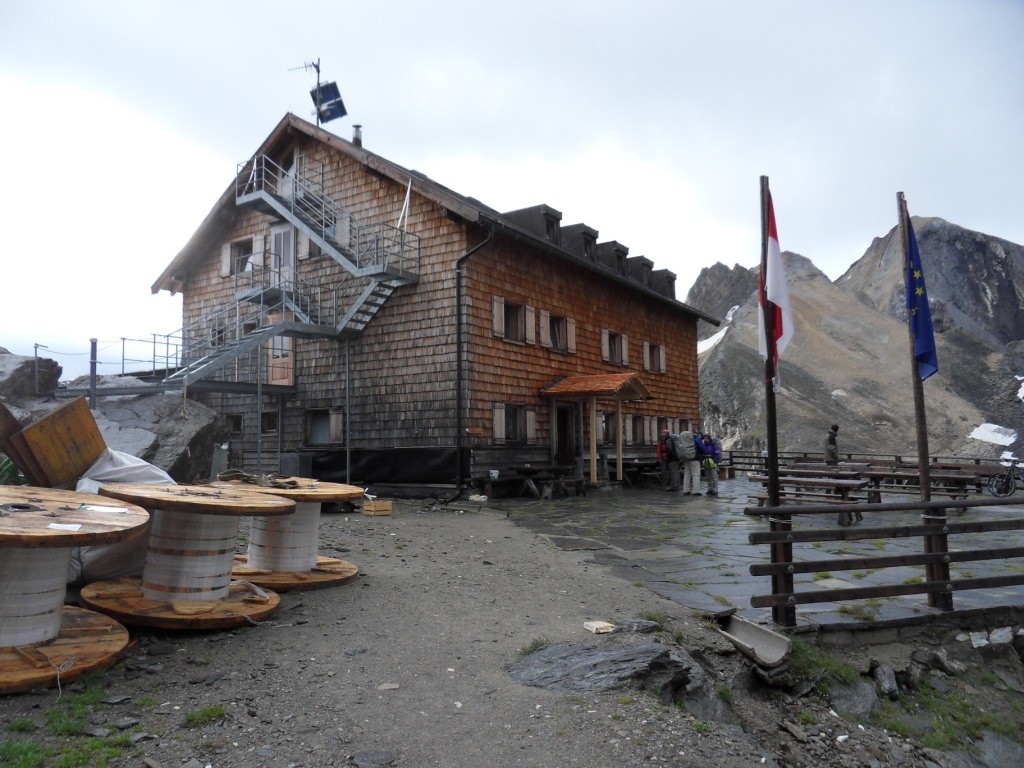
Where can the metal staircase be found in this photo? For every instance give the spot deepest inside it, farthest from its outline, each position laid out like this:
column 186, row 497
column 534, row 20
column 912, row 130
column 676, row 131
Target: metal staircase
column 222, row 355
column 365, row 307
column 229, row 344
column 377, row 251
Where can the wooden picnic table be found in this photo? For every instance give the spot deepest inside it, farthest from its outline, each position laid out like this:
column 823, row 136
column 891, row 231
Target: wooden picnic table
column 553, row 474
column 842, row 465
column 842, row 473
column 952, row 483
column 841, row 489
column 639, row 473
column 843, row 486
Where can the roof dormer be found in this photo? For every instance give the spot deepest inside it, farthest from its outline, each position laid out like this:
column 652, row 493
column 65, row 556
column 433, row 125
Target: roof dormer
column 640, row 268
column 664, row 282
column 579, row 239
column 612, row 255
column 540, row 220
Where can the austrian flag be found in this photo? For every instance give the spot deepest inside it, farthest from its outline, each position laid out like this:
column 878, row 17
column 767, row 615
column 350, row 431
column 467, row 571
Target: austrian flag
column 773, row 290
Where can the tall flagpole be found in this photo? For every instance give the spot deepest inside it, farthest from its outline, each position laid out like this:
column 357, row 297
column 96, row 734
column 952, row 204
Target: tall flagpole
column 932, row 543
column 784, row 615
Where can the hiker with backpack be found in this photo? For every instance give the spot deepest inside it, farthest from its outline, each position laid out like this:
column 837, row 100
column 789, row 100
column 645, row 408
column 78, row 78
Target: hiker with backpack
column 688, row 455
column 668, row 455
column 712, row 458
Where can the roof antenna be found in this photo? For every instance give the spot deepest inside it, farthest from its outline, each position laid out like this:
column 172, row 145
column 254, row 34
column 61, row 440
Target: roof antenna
column 326, row 96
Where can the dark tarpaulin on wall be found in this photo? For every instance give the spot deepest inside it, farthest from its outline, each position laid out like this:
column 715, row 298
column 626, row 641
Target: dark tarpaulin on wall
column 391, row 465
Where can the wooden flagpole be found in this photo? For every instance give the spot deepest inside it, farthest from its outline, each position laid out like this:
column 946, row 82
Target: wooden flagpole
column 784, row 615
column 937, row 542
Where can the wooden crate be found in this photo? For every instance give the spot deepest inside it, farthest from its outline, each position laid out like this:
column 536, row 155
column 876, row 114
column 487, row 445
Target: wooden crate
column 377, row 507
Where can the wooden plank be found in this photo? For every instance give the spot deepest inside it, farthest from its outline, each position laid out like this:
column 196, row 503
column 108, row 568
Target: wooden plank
column 64, row 443
column 200, row 499
column 86, row 641
column 122, row 599
column 866, row 563
column 886, row 590
column 9, row 427
column 880, row 532
column 48, row 517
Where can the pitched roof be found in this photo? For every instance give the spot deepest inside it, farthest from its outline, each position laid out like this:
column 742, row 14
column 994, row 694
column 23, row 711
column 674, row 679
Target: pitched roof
column 220, row 217
column 620, row 386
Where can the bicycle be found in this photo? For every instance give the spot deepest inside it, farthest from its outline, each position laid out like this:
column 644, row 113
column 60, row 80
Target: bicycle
column 1005, row 483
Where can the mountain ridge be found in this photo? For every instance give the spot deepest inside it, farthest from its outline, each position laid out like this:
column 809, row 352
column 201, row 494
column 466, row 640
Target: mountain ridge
column 849, row 360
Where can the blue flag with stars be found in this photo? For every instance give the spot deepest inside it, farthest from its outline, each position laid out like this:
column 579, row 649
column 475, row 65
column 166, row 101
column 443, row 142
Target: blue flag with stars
column 918, row 312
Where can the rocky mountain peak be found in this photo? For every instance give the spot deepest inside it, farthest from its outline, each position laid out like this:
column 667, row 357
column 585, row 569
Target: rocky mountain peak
column 849, row 360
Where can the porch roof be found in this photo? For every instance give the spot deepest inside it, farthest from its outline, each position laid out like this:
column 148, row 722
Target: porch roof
column 614, row 386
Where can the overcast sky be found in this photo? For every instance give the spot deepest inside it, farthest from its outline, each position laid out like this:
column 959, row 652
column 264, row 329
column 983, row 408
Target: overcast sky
column 649, row 121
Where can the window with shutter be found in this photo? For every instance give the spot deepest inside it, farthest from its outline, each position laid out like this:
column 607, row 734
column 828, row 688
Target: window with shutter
column 545, row 328
column 498, row 316
column 499, row 422
column 530, row 325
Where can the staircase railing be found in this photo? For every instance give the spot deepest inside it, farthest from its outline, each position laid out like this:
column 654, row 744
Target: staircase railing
column 377, row 246
column 217, row 332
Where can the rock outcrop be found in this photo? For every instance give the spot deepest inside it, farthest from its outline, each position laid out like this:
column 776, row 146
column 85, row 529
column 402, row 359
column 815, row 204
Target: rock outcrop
column 172, row 433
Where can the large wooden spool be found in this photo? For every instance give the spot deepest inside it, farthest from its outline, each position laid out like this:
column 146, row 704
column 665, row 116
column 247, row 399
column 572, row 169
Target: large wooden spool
column 39, row 527
column 186, row 581
column 282, row 553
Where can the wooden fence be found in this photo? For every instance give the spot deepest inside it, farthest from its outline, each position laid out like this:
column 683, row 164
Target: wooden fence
column 934, row 531
column 753, row 461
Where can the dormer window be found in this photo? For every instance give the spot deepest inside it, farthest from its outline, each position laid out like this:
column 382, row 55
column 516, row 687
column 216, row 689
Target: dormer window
column 551, row 229
column 588, row 249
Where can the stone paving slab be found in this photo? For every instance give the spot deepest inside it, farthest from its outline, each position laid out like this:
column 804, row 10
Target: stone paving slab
column 694, row 550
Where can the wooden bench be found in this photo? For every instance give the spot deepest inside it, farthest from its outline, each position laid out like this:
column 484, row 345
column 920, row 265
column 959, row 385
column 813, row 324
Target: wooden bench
column 489, row 485
column 818, row 497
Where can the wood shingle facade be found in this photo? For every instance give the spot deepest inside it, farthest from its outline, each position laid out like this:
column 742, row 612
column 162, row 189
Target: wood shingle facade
column 346, row 313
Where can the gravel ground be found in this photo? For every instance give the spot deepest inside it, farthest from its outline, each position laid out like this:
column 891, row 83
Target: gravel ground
column 407, row 666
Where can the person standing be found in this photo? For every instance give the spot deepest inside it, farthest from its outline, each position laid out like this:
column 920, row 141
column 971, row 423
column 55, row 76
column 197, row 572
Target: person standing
column 691, row 463
column 712, row 458
column 832, row 446
column 668, row 455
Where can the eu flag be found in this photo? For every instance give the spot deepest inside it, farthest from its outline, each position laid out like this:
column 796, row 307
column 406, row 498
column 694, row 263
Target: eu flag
column 918, row 312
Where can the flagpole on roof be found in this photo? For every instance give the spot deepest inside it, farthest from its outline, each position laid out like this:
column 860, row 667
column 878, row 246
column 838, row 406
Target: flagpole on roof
column 917, row 303
column 784, row 615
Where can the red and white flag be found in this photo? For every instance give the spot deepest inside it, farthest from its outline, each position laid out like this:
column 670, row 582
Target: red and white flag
column 773, row 287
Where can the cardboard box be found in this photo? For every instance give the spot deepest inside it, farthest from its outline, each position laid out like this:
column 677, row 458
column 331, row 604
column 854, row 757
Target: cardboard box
column 377, row 507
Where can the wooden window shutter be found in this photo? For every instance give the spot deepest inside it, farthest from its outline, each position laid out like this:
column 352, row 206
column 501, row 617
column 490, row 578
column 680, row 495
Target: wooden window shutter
column 627, row 429
column 499, row 422
column 625, row 349
column 498, row 320
column 662, row 367
column 545, row 328
column 531, row 426
column 225, row 260
column 257, row 250
column 605, row 350
column 647, row 355
column 570, row 334
column 336, row 425
column 301, row 245
column 652, row 430
column 531, row 325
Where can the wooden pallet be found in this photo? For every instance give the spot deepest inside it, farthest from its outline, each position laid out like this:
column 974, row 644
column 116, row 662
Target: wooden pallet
column 87, row 641
column 328, row 572
column 123, row 599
